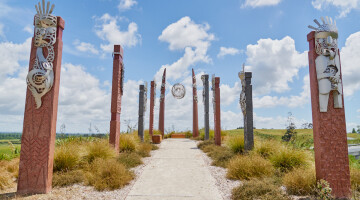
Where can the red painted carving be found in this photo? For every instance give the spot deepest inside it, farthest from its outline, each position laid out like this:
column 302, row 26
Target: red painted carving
column 217, row 112
column 152, row 104
column 330, row 140
column 39, row 129
column 162, row 105
column 195, row 107
column 117, row 81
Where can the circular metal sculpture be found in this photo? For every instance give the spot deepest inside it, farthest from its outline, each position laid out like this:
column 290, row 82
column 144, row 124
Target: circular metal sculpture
column 178, row 91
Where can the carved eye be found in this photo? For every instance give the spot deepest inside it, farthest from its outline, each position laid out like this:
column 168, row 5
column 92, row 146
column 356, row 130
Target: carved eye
column 329, row 40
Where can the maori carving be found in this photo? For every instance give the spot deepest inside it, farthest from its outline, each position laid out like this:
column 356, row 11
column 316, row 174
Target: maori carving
column 152, row 105
column 205, row 80
column 242, row 100
column 162, row 105
column 41, row 78
column 145, row 95
column 328, row 63
column 178, row 91
column 195, row 107
column 213, row 92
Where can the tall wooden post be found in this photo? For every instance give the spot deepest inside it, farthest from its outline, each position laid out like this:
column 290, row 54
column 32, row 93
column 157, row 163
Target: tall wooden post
column 116, row 93
column 162, row 105
column 330, row 139
column 41, row 106
column 152, row 105
column 195, row 107
column 217, row 112
column 248, row 114
column 205, row 79
column 141, row 112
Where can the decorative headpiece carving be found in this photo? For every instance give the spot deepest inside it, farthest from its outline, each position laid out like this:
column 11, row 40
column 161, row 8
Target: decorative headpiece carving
column 178, row 91
column 242, row 100
column 40, row 79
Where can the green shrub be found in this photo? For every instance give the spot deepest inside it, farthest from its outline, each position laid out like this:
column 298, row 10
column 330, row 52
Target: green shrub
column 66, row 157
column 287, row 159
column 220, row 155
column 144, row 149
column 61, row 179
column 128, row 142
column 99, row 149
column 324, row 190
column 236, row 143
column 245, row 167
column 300, row 181
column 129, row 160
column 267, row 147
column 108, row 174
column 258, row 189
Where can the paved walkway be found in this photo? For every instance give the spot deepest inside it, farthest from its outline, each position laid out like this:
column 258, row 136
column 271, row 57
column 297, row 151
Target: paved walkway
column 176, row 171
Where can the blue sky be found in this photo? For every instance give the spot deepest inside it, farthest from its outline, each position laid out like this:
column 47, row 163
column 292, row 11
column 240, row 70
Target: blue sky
column 213, row 37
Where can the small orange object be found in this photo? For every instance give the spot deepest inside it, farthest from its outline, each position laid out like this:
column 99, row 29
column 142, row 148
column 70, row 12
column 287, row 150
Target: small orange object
column 156, row 139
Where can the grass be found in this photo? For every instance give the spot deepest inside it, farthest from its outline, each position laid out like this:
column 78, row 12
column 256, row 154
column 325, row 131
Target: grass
column 355, row 178
column 258, row 189
column 107, row 174
column 144, row 149
column 266, row 148
column 128, row 142
column 129, row 160
column 220, row 155
column 66, row 178
column 236, row 143
column 286, row 159
column 300, row 181
column 66, row 158
column 246, row 167
column 99, row 149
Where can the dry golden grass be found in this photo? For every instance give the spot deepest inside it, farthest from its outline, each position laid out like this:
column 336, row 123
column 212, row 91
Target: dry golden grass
column 107, row 174
column 355, row 178
column 286, row 159
column 99, row 149
column 245, row 167
column 220, row 155
column 266, row 148
column 67, row 157
column 235, row 143
column 5, row 179
column 129, row 160
column 259, row 190
column 61, row 179
column 300, row 181
column 143, row 149
column 9, row 170
column 128, row 142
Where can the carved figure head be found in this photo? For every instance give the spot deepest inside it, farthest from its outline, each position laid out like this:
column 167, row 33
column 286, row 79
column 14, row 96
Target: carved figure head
column 45, row 25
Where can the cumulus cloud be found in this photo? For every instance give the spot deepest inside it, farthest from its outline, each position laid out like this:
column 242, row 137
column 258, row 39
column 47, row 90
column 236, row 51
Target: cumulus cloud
column 193, row 38
column 344, row 6
column 292, row 101
column 108, row 30
column 227, row 51
column 275, row 63
column 229, row 94
column 126, row 4
column 350, row 64
column 85, row 47
column 260, row 3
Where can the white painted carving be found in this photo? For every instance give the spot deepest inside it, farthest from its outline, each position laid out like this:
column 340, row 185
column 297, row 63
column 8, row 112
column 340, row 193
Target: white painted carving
column 327, row 63
column 242, row 100
column 41, row 78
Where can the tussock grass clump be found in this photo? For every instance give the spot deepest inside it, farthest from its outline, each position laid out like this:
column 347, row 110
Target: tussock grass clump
column 236, row 143
column 144, row 149
column 127, row 143
column 267, row 147
column 129, row 160
column 202, row 145
column 5, row 179
column 99, row 149
column 108, row 174
column 12, row 167
column 286, row 159
column 258, row 189
column 355, row 178
column 154, row 147
column 300, row 181
column 67, row 157
column 245, row 167
column 61, row 179
column 220, row 155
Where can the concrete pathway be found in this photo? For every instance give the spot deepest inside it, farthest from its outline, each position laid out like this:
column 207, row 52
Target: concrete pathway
column 176, row 171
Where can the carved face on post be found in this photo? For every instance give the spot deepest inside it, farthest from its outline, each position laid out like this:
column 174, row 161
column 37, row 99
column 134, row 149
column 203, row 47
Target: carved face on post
column 40, row 79
column 328, row 63
column 242, row 94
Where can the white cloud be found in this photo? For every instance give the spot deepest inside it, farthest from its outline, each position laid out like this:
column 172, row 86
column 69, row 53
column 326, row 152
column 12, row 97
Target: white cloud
column 227, row 51
column 228, row 95
column 126, row 4
column 109, row 31
column 28, row 29
column 350, row 64
column 193, row 38
column 345, row 6
column 292, row 101
column 260, row 3
column 85, row 47
column 274, row 64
